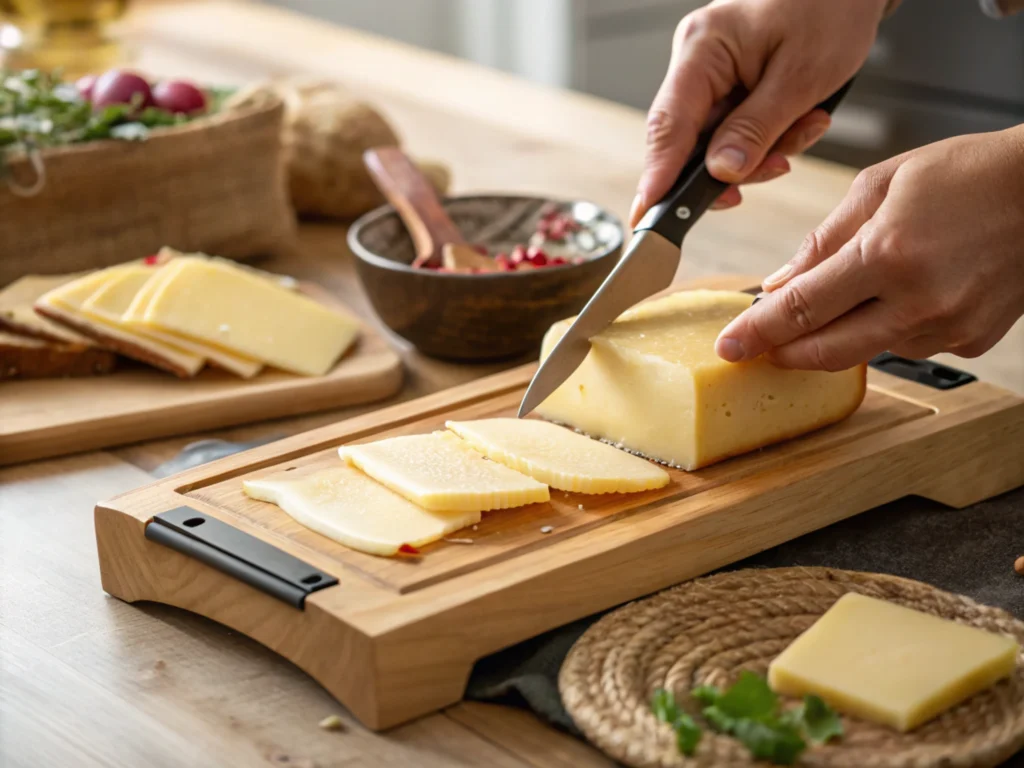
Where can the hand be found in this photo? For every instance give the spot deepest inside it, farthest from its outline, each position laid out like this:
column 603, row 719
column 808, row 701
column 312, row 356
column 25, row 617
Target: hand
column 924, row 255
column 789, row 55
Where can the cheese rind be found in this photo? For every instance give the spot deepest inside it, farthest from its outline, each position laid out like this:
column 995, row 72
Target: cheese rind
column 653, row 384
column 216, row 303
column 345, row 505
column 559, row 457
column 112, row 300
column 889, row 664
column 438, row 472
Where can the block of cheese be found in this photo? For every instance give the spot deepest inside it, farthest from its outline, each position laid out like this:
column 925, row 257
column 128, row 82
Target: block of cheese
column 889, row 664
column 64, row 304
column 652, row 384
column 559, row 457
column 345, row 505
column 439, row 471
column 216, row 303
column 115, row 296
column 24, row 357
column 17, row 314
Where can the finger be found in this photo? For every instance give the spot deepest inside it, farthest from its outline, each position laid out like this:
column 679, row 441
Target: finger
column 862, row 201
column 804, row 133
column 852, row 339
column 685, row 100
column 728, row 199
column 919, row 347
column 745, row 137
column 774, row 166
column 806, row 304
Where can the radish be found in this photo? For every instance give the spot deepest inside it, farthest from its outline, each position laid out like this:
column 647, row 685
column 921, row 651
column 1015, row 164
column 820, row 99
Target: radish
column 120, row 87
column 179, row 96
column 85, row 85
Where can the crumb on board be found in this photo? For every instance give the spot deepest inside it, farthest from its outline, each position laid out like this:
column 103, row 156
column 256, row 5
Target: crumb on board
column 332, row 723
column 547, row 529
column 459, row 541
column 579, row 507
column 475, row 527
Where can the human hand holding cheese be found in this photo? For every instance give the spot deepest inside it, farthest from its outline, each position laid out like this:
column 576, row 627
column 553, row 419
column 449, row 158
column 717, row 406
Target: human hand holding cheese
column 922, row 256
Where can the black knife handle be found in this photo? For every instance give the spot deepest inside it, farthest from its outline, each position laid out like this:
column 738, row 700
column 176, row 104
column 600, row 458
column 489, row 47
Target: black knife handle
column 695, row 189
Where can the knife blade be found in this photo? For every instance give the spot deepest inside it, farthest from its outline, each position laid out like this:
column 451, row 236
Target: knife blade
column 649, row 265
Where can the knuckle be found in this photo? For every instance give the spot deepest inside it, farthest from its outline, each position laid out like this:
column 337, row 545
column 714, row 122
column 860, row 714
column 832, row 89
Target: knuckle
column 693, row 26
column 973, row 348
column 796, row 307
column 661, row 127
column 749, row 128
column 812, row 249
column 825, row 357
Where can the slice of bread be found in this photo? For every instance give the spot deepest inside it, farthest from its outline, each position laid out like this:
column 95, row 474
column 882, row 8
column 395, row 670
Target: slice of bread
column 22, row 357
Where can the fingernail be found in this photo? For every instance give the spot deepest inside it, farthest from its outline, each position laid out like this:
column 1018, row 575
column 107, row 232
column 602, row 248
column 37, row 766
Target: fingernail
column 778, row 275
column 634, row 210
column 730, row 159
column 730, row 349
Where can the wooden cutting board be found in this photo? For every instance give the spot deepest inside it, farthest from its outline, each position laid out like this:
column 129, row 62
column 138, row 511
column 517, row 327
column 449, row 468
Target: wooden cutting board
column 395, row 638
column 53, row 417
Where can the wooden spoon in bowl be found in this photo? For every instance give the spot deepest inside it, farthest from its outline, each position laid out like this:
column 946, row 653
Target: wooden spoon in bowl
column 437, row 240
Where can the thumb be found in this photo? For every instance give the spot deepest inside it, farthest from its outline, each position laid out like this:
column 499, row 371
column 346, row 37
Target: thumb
column 745, row 137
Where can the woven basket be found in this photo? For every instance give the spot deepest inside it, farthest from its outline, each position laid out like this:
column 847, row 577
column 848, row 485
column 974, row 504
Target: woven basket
column 708, row 630
column 215, row 185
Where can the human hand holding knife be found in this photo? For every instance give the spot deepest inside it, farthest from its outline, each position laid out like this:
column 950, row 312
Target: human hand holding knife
column 648, row 265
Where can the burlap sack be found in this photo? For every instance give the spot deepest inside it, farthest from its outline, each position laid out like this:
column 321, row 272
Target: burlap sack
column 216, row 185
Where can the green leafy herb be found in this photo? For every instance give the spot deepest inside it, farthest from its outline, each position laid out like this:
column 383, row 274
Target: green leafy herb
column 818, row 720
column 750, row 712
column 688, row 733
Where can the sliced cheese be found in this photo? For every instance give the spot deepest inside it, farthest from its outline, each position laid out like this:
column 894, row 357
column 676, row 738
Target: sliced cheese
column 882, row 662
column 559, row 457
column 439, row 471
column 345, row 505
column 653, row 384
column 17, row 314
column 111, row 301
column 66, row 304
column 217, row 303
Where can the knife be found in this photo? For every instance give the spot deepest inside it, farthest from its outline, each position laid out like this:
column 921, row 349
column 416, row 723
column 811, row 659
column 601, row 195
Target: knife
column 648, row 266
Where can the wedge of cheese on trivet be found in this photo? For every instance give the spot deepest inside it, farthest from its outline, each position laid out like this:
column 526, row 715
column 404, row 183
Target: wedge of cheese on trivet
column 652, row 384
column 889, row 664
column 440, row 472
column 23, row 357
column 110, row 302
column 216, row 303
column 64, row 304
column 345, row 505
column 18, row 316
column 559, row 457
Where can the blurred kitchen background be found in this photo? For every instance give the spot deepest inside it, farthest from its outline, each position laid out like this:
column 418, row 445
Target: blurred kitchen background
column 939, row 67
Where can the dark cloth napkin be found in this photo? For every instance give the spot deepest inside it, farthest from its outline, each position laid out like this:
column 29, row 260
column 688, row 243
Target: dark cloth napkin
column 968, row 551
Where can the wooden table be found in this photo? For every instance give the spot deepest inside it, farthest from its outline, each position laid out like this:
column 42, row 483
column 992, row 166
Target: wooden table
column 88, row 681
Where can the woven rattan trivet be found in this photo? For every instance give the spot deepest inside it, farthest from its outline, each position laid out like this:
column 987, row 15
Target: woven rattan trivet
column 706, row 631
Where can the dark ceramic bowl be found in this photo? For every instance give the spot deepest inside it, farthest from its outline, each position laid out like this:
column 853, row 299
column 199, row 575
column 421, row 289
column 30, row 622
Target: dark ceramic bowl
column 484, row 316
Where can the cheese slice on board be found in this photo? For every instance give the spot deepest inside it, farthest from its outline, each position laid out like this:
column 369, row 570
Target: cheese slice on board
column 64, row 304
column 111, row 301
column 17, row 314
column 653, row 385
column 439, row 471
column 559, row 457
column 345, row 505
column 216, row 303
column 889, row 664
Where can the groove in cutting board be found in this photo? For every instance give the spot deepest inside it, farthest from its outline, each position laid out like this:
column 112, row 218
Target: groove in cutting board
column 511, row 532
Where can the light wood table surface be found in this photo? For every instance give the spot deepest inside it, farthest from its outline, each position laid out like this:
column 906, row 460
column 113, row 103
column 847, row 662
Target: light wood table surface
column 86, row 680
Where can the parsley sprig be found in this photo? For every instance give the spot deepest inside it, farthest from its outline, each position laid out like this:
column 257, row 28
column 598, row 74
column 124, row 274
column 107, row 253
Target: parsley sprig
column 750, row 711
